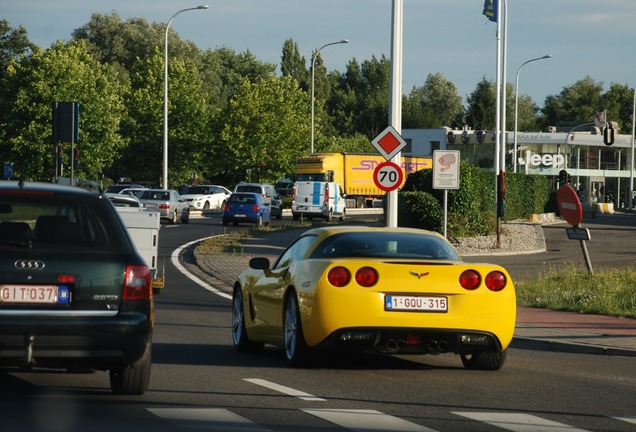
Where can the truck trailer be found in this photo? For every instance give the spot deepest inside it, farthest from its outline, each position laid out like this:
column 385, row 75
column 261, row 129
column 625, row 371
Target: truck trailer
column 354, row 171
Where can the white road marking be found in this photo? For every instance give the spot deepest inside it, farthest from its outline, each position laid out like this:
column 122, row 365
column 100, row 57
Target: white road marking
column 285, row 390
column 631, row 420
column 207, row 419
column 177, row 264
column 366, row 420
column 518, row 422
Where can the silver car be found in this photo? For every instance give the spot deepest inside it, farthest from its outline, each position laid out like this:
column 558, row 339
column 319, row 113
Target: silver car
column 171, row 205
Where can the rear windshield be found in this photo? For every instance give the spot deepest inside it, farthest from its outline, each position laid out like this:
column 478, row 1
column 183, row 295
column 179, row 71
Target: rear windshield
column 241, row 199
column 385, row 245
column 59, row 222
column 248, row 188
column 155, row 195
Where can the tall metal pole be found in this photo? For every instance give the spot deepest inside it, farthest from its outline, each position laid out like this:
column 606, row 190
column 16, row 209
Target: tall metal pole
column 395, row 100
column 164, row 178
column 313, row 66
column 631, row 170
column 514, row 139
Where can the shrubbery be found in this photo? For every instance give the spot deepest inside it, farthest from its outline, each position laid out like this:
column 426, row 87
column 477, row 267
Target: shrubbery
column 471, row 208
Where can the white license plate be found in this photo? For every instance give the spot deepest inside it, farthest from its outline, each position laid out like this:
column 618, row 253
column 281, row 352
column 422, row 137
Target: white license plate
column 238, row 215
column 44, row 294
column 415, row 303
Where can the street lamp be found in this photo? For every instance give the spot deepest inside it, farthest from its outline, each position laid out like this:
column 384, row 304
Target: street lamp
column 514, row 153
column 313, row 65
column 165, row 97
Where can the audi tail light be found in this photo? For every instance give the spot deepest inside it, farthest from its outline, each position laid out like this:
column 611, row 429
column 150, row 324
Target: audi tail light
column 137, row 283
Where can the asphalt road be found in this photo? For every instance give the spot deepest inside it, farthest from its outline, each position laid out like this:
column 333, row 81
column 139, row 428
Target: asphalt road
column 200, row 383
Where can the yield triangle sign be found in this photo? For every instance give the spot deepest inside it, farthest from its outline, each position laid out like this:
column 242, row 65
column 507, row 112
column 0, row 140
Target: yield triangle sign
column 389, row 143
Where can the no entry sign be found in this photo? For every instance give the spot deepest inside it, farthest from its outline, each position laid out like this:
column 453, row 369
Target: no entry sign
column 570, row 205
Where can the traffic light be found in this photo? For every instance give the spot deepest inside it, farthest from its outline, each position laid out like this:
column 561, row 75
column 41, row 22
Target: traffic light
column 608, row 135
column 563, row 177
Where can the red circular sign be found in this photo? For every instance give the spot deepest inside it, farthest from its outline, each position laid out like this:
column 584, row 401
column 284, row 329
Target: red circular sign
column 570, row 205
column 388, row 176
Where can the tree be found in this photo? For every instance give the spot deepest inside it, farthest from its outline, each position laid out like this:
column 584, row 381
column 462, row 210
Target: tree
column 266, row 128
column 361, row 98
column 188, row 123
column 66, row 72
column 433, row 105
column 14, row 44
column 619, row 103
column 577, row 103
column 481, row 106
column 293, row 64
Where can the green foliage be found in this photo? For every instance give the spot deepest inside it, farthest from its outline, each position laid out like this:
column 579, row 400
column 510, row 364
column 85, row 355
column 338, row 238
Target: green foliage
column 471, row 208
column 66, row 72
column 433, row 105
column 572, row 288
column 420, row 210
column 264, row 124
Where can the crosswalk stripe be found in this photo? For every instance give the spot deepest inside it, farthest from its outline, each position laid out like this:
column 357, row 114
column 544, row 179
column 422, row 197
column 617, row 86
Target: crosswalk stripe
column 518, row 422
column 631, row 420
column 207, row 419
column 366, row 420
column 286, row 390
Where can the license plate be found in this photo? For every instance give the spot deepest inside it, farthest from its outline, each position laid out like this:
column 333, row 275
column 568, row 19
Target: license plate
column 41, row 294
column 239, row 215
column 150, row 205
column 415, row 303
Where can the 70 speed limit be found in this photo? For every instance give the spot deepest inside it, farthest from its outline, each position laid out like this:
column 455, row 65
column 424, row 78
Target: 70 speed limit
column 388, row 176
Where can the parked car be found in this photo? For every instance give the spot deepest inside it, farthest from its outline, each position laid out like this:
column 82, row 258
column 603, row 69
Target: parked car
column 377, row 290
column 269, row 194
column 246, row 208
column 205, row 197
column 74, row 292
column 124, row 200
column 135, row 191
column 168, row 202
column 284, row 187
column 116, row 188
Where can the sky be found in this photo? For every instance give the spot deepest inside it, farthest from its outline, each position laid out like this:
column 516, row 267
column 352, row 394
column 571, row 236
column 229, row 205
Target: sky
column 451, row 37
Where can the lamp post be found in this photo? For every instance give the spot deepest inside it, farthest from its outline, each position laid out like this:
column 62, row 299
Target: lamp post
column 313, row 66
column 514, row 152
column 165, row 97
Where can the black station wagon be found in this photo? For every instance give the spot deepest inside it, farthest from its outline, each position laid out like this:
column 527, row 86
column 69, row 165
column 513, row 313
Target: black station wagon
column 74, row 292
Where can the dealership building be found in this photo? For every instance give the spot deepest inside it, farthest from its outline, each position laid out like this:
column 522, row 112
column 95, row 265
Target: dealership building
column 601, row 172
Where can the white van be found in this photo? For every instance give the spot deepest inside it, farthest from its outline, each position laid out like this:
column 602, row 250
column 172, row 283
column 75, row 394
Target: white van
column 316, row 199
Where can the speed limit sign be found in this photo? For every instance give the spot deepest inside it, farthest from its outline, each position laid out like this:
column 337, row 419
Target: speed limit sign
column 388, row 176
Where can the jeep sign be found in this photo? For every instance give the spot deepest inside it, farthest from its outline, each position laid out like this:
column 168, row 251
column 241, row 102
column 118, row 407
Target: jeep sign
column 547, row 159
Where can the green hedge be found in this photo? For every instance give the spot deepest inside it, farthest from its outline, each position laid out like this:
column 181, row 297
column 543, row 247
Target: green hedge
column 471, row 208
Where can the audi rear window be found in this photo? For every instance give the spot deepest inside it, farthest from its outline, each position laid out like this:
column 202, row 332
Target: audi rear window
column 57, row 221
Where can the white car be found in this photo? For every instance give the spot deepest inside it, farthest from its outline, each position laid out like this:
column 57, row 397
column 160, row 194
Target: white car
column 206, row 197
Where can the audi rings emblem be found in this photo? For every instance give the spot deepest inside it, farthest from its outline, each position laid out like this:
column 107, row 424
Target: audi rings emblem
column 29, row 265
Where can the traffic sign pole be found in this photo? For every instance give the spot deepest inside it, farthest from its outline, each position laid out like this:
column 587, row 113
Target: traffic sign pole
column 572, row 211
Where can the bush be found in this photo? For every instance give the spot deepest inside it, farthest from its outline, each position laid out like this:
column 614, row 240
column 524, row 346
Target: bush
column 420, row 210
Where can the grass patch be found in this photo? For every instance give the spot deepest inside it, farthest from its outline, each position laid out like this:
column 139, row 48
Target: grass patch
column 609, row 292
column 232, row 240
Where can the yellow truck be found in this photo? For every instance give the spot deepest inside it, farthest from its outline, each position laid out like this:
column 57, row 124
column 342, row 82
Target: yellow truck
column 354, row 171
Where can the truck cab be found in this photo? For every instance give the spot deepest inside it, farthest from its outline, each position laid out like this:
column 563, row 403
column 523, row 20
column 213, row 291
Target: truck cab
column 318, row 198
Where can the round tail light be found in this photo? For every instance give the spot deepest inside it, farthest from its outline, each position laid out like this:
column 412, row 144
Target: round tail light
column 495, row 281
column 469, row 279
column 338, row 276
column 366, row 276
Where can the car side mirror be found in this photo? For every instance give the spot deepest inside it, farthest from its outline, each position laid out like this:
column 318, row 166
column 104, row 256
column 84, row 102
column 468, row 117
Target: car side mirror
column 259, row 263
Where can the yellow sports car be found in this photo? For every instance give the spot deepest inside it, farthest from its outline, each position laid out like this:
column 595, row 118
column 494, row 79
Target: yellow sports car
column 382, row 290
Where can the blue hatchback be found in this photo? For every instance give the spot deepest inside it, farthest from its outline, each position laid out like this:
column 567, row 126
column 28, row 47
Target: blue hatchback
column 246, row 208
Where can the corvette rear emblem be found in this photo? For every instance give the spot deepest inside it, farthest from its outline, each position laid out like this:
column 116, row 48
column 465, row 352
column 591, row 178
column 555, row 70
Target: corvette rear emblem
column 418, row 275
